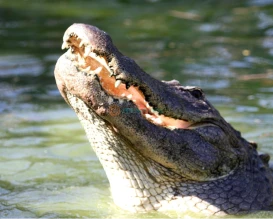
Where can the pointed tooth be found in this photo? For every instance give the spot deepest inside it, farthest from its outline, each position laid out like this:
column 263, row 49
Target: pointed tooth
column 98, row 70
column 81, row 61
column 87, row 51
column 158, row 121
column 81, row 44
column 79, row 57
column 72, row 34
column 65, row 45
column 123, row 95
column 129, row 96
column 154, row 112
column 148, row 116
column 87, row 69
column 171, row 127
column 117, row 83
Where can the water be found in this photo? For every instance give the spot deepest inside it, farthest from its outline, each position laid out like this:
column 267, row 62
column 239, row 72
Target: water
column 47, row 168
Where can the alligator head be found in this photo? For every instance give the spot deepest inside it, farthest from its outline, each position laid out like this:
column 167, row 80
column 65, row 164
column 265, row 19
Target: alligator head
column 162, row 145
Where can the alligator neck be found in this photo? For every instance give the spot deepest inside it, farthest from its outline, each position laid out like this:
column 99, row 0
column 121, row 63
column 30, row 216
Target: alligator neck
column 141, row 185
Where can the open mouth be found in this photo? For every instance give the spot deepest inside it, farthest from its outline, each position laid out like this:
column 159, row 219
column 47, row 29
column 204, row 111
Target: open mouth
column 86, row 60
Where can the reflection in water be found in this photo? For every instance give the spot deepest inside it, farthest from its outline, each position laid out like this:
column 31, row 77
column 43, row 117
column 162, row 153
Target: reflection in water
column 19, row 65
column 47, row 167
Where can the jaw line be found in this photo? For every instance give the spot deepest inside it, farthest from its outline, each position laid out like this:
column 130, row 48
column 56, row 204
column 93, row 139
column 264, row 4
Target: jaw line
column 116, row 89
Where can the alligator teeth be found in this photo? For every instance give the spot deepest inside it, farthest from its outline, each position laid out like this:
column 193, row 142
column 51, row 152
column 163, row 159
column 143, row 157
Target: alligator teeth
column 65, row 45
column 81, row 61
column 72, row 49
column 154, row 112
column 148, row 116
column 117, row 83
column 158, row 121
column 81, row 44
column 79, row 57
column 87, row 51
column 87, row 70
column 171, row 127
column 129, row 96
column 98, row 70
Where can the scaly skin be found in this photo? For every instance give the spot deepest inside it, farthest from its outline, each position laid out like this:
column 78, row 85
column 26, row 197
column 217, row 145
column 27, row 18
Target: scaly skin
column 203, row 165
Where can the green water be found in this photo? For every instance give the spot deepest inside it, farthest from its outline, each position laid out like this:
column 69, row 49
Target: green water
column 47, row 168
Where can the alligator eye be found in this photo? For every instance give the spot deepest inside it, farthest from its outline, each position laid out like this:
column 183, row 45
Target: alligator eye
column 197, row 93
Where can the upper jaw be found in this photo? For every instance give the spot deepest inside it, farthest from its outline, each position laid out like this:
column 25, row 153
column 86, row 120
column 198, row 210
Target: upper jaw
column 87, row 58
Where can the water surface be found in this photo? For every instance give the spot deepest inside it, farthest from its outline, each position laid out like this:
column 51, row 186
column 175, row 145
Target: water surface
column 47, row 168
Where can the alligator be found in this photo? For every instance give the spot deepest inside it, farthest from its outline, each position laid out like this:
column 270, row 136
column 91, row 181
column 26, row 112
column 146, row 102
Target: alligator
column 163, row 146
